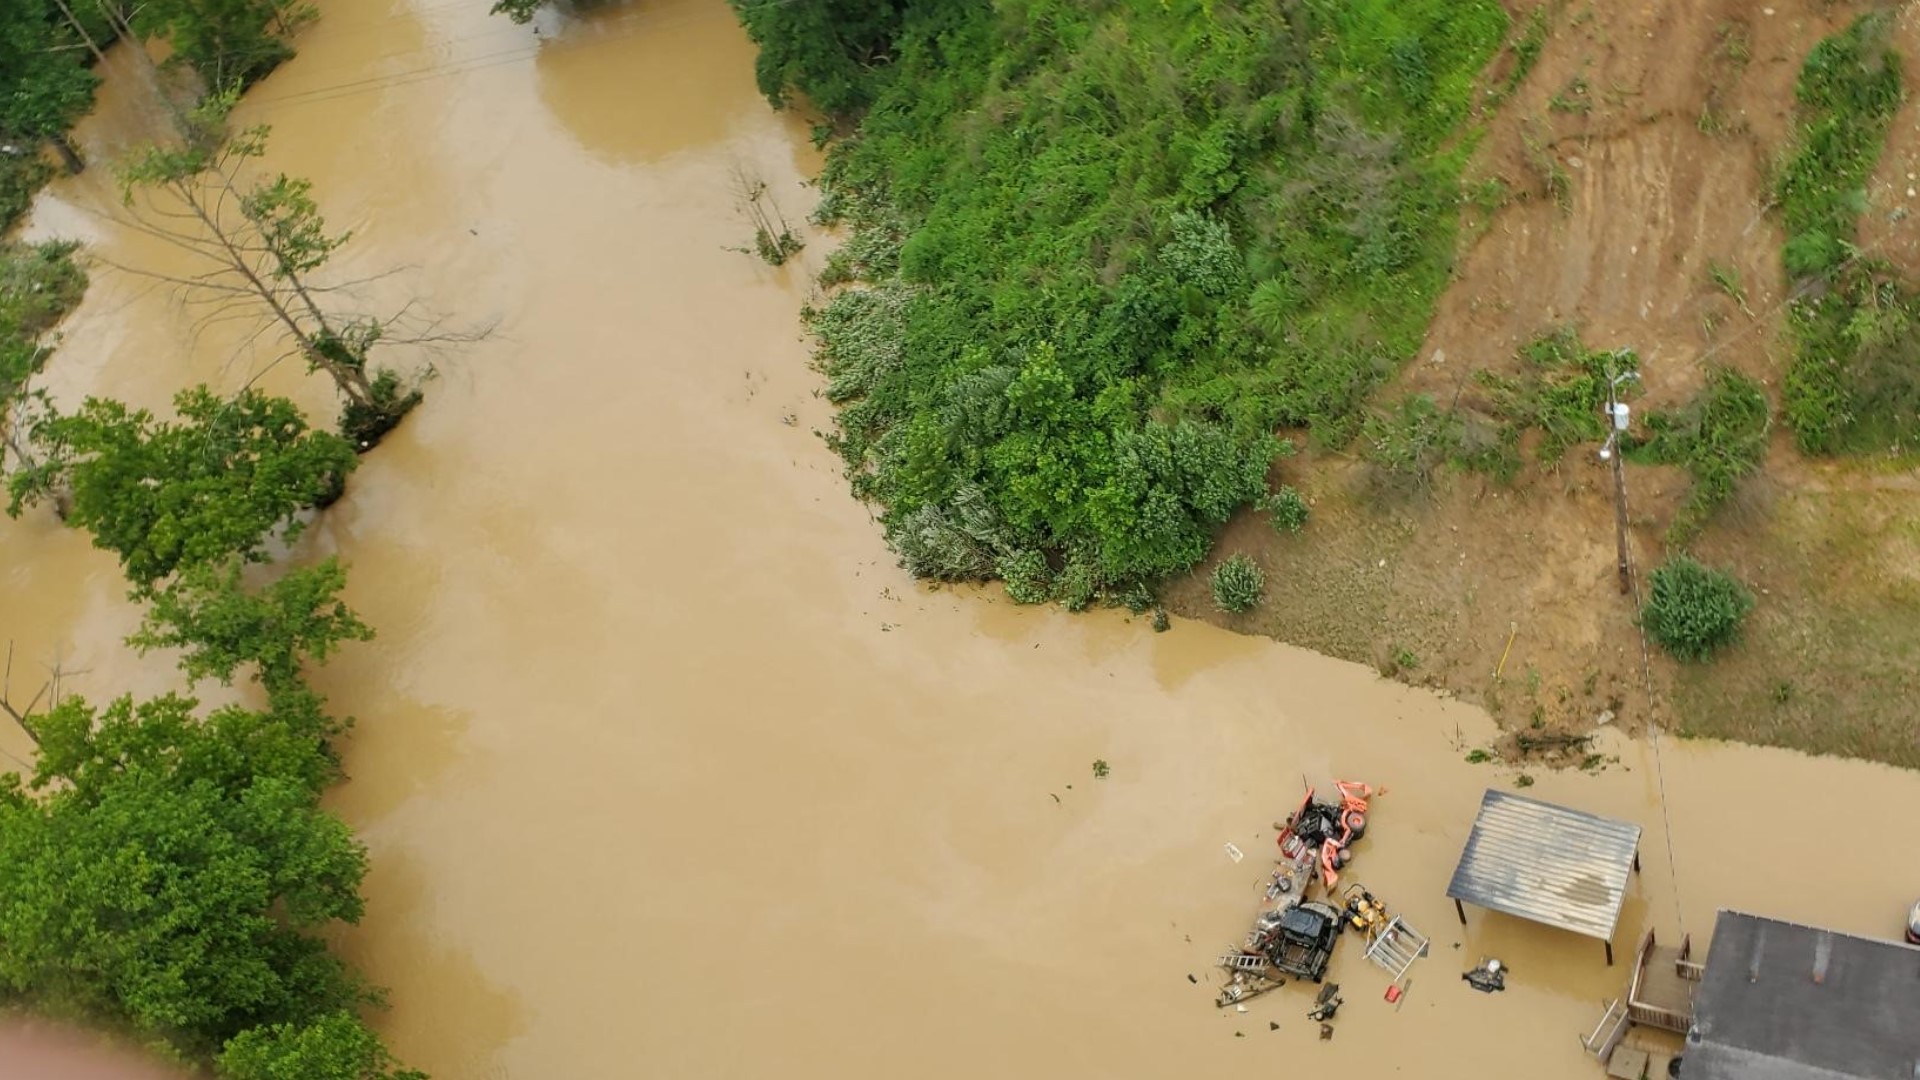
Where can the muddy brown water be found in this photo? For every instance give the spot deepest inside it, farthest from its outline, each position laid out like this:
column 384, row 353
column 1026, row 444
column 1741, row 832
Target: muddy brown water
column 667, row 771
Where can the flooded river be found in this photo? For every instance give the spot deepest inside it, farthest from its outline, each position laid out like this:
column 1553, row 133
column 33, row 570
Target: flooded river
column 667, row 771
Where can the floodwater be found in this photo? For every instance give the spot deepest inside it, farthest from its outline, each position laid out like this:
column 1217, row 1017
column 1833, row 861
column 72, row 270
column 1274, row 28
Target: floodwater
column 667, row 771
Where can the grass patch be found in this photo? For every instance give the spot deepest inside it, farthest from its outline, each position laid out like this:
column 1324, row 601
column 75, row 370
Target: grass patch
column 1854, row 384
column 1104, row 252
column 1719, row 437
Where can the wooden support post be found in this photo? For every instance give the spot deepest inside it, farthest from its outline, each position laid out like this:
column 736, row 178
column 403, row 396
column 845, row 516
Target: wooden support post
column 1460, row 911
column 1609, row 953
column 1636, row 860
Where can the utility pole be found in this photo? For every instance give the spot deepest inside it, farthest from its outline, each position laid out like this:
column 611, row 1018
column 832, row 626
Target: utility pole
column 1618, row 416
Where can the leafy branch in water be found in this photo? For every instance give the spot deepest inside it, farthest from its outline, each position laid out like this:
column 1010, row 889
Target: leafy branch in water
column 773, row 239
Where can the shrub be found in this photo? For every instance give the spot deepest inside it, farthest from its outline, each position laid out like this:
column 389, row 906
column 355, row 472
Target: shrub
column 1695, row 610
column 1287, row 510
column 1719, row 437
column 1237, row 584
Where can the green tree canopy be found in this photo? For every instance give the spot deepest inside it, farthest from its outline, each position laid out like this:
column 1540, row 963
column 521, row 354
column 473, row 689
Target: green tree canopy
column 172, row 874
column 44, row 87
column 338, row 1046
column 219, row 482
column 823, row 48
column 221, row 624
column 229, row 42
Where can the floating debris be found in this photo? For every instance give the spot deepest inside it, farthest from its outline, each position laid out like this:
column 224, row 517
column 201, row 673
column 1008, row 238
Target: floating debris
column 1489, row 977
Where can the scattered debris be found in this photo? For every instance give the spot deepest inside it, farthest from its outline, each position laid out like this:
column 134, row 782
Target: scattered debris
column 1326, row 1003
column 1099, row 769
column 1192, row 980
column 1489, row 977
column 1326, row 1032
column 1234, row 852
column 1273, row 1025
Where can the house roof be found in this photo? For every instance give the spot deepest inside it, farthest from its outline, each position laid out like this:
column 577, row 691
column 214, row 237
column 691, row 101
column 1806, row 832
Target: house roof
column 1781, row 1001
column 1547, row 863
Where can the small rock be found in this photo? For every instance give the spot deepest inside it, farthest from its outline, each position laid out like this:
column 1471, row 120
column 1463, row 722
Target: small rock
column 1273, row 1025
column 1604, row 718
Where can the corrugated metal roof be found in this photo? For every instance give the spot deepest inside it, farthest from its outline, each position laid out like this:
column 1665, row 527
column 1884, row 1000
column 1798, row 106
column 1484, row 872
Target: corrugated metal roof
column 1565, row 868
column 1782, row 1001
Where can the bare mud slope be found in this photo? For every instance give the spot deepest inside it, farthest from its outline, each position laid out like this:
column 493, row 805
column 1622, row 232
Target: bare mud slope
column 1624, row 174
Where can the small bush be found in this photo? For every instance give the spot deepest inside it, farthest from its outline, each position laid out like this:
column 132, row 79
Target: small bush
column 1287, row 510
column 1695, row 610
column 1237, row 585
column 1720, row 437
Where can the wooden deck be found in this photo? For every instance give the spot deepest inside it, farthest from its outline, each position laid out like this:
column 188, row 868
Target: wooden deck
column 1664, row 982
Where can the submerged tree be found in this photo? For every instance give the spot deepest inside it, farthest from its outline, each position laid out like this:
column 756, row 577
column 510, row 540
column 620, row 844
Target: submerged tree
column 44, row 88
column 221, row 624
column 218, row 483
column 231, row 43
column 338, row 1046
column 263, row 242
column 519, row 11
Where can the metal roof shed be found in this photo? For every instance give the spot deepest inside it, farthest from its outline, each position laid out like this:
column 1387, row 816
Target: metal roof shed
column 1781, row 1001
column 1546, row 863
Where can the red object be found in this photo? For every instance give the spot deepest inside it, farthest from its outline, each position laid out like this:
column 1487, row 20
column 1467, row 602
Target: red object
column 1393, row 993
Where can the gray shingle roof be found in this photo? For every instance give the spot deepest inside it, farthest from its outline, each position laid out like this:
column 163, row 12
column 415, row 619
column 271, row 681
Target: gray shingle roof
column 1762, row 1014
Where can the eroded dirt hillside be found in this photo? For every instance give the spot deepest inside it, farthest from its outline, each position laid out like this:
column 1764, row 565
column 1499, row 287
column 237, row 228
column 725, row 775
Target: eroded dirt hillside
column 1623, row 189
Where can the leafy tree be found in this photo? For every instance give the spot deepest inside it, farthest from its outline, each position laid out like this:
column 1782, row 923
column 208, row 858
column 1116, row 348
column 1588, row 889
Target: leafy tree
column 1237, row 584
column 1694, row 611
column 221, row 624
column 231, row 43
column 173, row 874
column 43, row 88
column 218, row 483
column 337, row 1046
column 262, row 240
column 824, row 48
column 1101, row 254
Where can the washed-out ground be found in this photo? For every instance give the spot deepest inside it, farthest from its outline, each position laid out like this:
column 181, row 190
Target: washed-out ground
column 1632, row 157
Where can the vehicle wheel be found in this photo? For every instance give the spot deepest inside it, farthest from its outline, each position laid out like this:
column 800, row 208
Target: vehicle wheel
column 1341, row 860
column 1673, row 1067
column 1356, row 823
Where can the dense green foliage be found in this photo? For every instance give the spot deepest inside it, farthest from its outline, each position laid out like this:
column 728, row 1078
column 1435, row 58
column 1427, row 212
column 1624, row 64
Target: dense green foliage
column 231, row 43
column 172, row 872
column 1237, row 584
column 1855, row 380
column 828, row 48
column 1694, row 611
column 45, row 86
column 1107, row 250
column 1719, row 437
column 39, row 284
column 338, row 1046
column 219, row 482
column 221, row 624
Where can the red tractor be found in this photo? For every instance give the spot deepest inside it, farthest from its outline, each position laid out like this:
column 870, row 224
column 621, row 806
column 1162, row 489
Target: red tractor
column 1327, row 830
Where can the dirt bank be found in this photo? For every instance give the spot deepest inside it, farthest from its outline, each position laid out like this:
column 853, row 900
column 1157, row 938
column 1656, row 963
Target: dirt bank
column 1629, row 166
